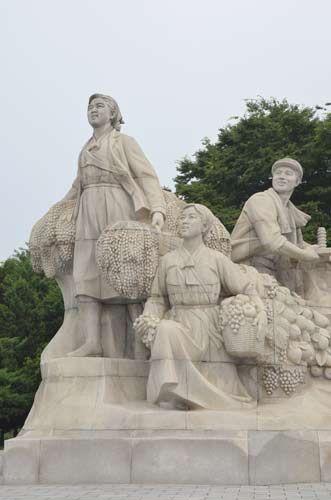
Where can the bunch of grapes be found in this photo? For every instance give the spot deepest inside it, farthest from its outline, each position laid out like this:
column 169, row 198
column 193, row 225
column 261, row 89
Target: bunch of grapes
column 128, row 255
column 148, row 324
column 290, row 378
column 270, row 311
column 281, row 355
column 234, row 316
column 48, row 260
column 49, row 230
column 272, row 290
column 52, row 240
column 270, row 379
column 35, row 245
column 65, row 231
column 174, row 207
column 218, row 238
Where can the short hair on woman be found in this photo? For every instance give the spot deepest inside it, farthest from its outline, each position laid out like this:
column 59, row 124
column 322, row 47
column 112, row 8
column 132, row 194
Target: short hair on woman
column 205, row 214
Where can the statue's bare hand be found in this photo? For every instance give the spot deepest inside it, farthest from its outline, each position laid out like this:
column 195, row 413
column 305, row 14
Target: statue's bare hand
column 141, row 326
column 141, row 329
column 310, row 254
column 158, row 220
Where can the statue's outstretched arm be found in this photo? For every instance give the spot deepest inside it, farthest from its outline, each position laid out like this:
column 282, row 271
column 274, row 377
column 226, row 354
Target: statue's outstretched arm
column 307, row 254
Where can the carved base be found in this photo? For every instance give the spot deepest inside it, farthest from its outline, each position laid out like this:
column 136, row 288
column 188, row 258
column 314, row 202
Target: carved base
column 110, row 394
column 90, row 424
column 86, row 393
column 176, row 457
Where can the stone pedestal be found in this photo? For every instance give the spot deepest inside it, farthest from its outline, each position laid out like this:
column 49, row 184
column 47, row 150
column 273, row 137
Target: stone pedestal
column 176, row 457
column 117, row 336
column 91, row 423
column 86, row 393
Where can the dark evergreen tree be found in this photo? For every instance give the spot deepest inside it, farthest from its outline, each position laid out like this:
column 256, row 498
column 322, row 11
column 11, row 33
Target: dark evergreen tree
column 31, row 311
column 225, row 174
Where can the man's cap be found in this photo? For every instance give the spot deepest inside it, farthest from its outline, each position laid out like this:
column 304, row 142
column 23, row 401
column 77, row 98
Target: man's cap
column 288, row 162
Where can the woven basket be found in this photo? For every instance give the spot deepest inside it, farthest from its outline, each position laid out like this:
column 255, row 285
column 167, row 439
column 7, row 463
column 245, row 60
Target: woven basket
column 245, row 343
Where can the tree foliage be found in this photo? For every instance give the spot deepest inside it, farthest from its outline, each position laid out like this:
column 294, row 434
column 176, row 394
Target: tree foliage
column 31, row 311
column 224, row 174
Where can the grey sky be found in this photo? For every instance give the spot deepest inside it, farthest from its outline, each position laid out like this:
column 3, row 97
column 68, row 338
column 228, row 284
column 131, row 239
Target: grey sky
column 179, row 70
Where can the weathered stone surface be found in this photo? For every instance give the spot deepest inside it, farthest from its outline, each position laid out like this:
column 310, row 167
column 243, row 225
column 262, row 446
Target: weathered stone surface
column 79, row 393
column 214, row 460
column 325, row 454
column 283, row 457
column 21, row 461
column 220, row 420
column 169, row 456
column 76, row 461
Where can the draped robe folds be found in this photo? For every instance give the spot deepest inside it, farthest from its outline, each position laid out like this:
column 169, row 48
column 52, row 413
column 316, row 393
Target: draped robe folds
column 262, row 228
column 115, row 182
column 186, row 296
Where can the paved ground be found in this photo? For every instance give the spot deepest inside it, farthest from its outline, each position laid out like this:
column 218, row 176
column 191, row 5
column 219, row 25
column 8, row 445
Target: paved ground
column 166, row 492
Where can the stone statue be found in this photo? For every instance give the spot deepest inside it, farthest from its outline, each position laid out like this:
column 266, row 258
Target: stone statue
column 184, row 309
column 231, row 343
column 268, row 233
column 115, row 182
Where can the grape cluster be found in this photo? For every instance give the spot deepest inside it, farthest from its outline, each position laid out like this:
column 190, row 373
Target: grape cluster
column 127, row 256
column 234, row 312
column 48, row 259
column 48, row 236
column 65, row 227
column 272, row 290
column 282, row 355
column 218, row 238
column 147, row 323
column 65, row 257
column 235, row 317
column 290, row 378
column 286, row 378
column 174, row 207
column 270, row 379
column 35, row 246
column 270, row 311
column 52, row 240
column 65, row 231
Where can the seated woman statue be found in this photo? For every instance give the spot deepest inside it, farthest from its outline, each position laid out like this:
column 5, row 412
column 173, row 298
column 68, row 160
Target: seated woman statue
column 268, row 234
column 184, row 303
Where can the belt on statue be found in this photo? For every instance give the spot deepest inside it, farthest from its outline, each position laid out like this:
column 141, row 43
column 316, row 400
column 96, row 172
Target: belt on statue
column 101, row 184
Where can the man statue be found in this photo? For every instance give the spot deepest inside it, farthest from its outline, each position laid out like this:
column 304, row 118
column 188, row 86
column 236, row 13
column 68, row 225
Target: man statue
column 268, row 234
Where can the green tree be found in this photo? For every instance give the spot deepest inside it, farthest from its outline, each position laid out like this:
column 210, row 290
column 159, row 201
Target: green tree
column 224, row 174
column 31, row 311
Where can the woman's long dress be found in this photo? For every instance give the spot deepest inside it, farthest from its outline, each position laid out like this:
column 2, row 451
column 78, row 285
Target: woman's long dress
column 103, row 201
column 186, row 295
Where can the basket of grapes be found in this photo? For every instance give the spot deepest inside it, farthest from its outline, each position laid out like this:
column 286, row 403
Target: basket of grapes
column 239, row 329
column 127, row 255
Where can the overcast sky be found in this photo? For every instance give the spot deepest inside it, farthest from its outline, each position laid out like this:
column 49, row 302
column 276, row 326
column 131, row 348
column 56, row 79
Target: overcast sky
column 179, row 70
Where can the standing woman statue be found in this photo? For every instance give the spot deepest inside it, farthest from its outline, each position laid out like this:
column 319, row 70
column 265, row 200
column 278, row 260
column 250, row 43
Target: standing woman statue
column 115, row 182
